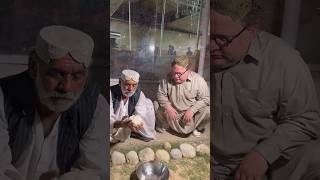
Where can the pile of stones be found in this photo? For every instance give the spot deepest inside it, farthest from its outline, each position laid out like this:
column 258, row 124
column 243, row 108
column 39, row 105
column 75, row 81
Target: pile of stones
column 185, row 150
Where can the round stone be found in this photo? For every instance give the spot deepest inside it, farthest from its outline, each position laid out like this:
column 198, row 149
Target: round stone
column 132, row 158
column 176, row 153
column 146, row 154
column 203, row 149
column 162, row 155
column 118, row 158
column 167, row 146
column 187, row 150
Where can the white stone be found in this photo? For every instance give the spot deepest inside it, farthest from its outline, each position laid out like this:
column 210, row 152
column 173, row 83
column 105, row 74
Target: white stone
column 118, row 158
column 187, row 150
column 176, row 153
column 132, row 158
column 167, row 146
column 162, row 155
column 146, row 154
column 203, row 149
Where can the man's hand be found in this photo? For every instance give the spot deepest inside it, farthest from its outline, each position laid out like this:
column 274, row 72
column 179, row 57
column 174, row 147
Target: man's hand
column 126, row 123
column 122, row 123
column 137, row 127
column 188, row 116
column 171, row 113
column 252, row 167
column 49, row 175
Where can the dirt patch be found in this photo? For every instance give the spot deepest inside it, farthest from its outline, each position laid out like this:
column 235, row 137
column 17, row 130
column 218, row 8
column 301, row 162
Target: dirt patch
column 197, row 168
column 134, row 143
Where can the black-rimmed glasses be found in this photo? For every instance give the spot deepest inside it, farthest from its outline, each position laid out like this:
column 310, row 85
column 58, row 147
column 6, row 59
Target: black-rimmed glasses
column 178, row 74
column 224, row 41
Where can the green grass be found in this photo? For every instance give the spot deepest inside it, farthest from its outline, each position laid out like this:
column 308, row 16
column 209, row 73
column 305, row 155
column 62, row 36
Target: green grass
column 194, row 169
column 125, row 170
column 172, row 166
column 175, row 145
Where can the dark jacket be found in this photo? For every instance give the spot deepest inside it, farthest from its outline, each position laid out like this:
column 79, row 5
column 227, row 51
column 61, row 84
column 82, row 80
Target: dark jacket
column 117, row 95
column 19, row 106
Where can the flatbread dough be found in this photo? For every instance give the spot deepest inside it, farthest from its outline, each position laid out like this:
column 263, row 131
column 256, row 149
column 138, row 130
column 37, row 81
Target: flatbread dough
column 136, row 120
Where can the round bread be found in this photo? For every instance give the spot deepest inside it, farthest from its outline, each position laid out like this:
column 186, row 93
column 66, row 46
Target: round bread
column 136, row 120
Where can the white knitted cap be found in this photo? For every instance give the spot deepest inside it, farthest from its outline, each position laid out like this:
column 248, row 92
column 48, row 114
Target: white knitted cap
column 129, row 74
column 55, row 42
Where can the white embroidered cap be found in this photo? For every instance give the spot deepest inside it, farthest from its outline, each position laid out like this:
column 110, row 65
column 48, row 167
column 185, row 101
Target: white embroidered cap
column 128, row 74
column 55, row 42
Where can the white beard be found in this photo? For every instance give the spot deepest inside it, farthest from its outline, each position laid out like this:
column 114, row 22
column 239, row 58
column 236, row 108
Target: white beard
column 54, row 100
column 125, row 92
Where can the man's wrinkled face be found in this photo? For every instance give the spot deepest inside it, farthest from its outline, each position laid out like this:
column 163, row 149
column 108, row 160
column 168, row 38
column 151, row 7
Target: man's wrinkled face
column 229, row 40
column 60, row 83
column 128, row 87
column 179, row 74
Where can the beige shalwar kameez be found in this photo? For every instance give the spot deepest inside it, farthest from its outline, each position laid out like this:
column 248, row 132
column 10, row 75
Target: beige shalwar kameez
column 193, row 94
column 266, row 103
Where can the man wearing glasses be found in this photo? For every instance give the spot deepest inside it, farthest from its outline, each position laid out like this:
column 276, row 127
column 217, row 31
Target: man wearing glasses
column 266, row 116
column 183, row 100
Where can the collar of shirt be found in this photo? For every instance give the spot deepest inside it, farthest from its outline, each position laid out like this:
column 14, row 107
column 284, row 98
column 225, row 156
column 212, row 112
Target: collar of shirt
column 55, row 129
column 255, row 49
column 190, row 76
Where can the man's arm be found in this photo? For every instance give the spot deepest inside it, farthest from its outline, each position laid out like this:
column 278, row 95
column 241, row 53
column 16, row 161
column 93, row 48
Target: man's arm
column 298, row 114
column 164, row 102
column 7, row 170
column 112, row 115
column 203, row 96
column 93, row 146
column 162, row 94
column 144, row 109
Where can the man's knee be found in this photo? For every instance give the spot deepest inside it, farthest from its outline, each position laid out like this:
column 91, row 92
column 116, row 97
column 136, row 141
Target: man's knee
column 206, row 112
column 311, row 154
column 156, row 106
column 157, row 110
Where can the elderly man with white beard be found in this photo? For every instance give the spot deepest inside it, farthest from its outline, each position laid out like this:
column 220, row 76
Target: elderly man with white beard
column 52, row 120
column 131, row 113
